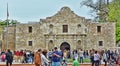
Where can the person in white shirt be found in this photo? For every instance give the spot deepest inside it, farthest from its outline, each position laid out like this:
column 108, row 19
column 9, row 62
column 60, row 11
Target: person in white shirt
column 81, row 55
column 96, row 58
column 105, row 58
column 45, row 61
column 75, row 55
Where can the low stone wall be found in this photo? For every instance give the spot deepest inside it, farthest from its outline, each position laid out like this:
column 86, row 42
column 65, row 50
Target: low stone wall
column 34, row 65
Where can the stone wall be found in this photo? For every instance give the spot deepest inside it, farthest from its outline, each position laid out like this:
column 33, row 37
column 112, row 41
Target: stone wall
column 23, row 36
column 48, row 33
column 107, row 35
column 10, row 37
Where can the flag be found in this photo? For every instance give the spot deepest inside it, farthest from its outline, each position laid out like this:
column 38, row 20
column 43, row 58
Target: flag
column 7, row 11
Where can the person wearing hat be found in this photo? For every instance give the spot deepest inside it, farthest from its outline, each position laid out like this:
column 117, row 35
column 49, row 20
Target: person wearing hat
column 56, row 55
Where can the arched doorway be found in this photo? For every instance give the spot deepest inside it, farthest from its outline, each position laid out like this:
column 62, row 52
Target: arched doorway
column 64, row 46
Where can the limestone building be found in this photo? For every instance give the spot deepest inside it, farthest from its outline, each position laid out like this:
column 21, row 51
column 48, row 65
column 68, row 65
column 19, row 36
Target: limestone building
column 65, row 29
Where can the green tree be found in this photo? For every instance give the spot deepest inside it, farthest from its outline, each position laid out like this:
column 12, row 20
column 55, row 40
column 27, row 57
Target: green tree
column 14, row 22
column 10, row 22
column 99, row 8
column 106, row 11
column 114, row 16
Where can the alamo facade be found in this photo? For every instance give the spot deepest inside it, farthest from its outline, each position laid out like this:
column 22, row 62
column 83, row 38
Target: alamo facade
column 64, row 30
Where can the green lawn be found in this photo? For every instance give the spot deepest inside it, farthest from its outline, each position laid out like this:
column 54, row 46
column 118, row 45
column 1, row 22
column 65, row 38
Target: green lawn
column 87, row 60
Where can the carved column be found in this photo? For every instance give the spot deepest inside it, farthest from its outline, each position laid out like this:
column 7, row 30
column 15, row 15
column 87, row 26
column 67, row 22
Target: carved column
column 45, row 42
column 83, row 41
column 75, row 41
column 55, row 40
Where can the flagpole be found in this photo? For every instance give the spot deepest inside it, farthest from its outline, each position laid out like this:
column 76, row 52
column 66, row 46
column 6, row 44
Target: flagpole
column 7, row 28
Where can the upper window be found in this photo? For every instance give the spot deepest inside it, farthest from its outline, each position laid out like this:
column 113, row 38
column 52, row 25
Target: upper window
column 79, row 25
column 65, row 28
column 30, row 43
column 30, row 29
column 100, row 43
column 98, row 28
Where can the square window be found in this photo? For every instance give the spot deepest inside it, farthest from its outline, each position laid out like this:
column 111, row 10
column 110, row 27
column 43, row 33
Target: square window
column 30, row 43
column 98, row 28
column 30, row 29
column 65, row 28
column 100, row 43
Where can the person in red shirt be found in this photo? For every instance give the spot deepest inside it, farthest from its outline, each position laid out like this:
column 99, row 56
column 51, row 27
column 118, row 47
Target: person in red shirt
column 17, row 54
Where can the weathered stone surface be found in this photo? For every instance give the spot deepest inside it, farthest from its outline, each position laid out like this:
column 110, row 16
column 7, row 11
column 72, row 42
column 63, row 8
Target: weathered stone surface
column 48, row 33
column 10, row 37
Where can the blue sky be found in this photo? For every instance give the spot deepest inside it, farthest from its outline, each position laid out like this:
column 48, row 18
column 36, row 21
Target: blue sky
column 34, row 10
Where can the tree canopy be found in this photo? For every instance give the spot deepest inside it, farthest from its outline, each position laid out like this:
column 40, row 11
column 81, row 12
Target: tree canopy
column 106, row 11
column 10, row 22
column 114, row 16
column 99, row 8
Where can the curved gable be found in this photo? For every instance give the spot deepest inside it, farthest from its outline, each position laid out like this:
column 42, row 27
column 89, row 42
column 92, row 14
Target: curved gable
column 64, row 15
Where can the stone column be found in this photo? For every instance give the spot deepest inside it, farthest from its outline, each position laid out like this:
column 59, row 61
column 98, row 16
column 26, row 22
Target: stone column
column 45, row 42
column 75, row 42
column 83, row 42
column 55, row 40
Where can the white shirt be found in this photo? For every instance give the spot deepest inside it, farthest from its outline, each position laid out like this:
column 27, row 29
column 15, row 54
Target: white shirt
column 44, row 59
column 96, row 57
column 105, row 56
column 81, row 53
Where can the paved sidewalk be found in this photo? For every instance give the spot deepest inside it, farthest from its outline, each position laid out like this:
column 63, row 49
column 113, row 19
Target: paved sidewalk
column 20, row 64
column 30, row 64
column 13, row 63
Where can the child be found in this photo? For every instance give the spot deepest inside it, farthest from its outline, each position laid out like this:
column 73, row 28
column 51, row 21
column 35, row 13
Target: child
column 3, row 57
column 75, row 62
column 64, row 63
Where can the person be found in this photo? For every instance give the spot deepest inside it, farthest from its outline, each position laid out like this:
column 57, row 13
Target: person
column 111, row 62
column 3, row 57
column 49, row 54
column 37, row 58
column 9, row 58
column 92, row 56
column 65, row 55
column 96, row 58
column 118, row 60
column 56, row 55
column 75, row 54
column 45, row 61
column 64, row 63
column 81, row 55
column 75, row 62
column 105, row 58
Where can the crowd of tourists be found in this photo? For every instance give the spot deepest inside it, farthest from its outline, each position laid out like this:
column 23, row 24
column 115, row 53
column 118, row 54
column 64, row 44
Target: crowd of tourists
column 57, row 57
